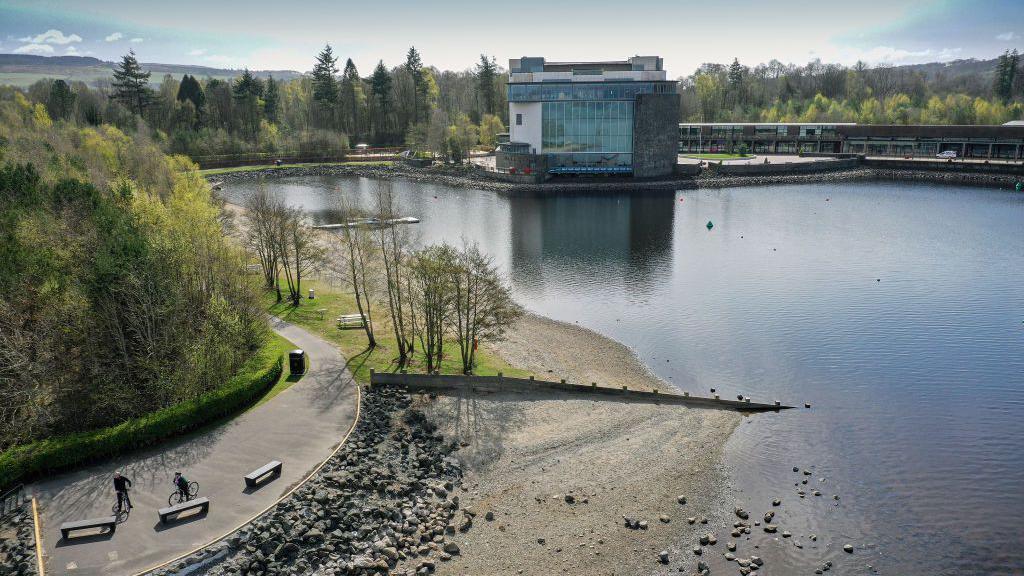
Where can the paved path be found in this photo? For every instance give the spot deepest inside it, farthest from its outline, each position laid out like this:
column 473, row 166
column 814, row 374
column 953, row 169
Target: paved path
column 301, row 426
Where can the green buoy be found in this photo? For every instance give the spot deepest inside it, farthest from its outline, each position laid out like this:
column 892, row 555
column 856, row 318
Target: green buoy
column 1020, row 186
column 710, row 225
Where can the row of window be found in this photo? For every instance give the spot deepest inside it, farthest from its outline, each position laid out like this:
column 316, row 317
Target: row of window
column 587, row 127
column 553, row 91
column 726, row 131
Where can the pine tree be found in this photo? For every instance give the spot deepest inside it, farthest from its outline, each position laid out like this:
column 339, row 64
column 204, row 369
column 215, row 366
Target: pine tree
column 271, row 100
column 325, row 86
column 414, row 65
column 349, row 96
column 131, row 84
column 380, row 87
column 486, row 72
column 61, row 100
column 191, row 90
column 1002, row 82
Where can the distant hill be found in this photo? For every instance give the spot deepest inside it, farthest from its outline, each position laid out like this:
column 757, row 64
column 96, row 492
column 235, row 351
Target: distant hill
column 24, row 69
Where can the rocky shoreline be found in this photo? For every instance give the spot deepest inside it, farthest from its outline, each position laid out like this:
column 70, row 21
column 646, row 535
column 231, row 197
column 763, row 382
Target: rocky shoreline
column 467, row 177
column 385, row 503
column 18, row 545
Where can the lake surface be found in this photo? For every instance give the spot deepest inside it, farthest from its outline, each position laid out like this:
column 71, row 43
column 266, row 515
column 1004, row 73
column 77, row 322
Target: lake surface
column 895, row 309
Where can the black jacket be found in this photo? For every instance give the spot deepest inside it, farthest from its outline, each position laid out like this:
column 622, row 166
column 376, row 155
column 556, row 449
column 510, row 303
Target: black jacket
column 120, row 484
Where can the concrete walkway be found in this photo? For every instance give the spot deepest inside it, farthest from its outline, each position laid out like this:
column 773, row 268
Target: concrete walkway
column 301, row 426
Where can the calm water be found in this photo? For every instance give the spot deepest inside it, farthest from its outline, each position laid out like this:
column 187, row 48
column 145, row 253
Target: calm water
column 897, row 310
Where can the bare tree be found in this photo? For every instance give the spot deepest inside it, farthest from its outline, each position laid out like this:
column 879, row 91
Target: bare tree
column 432, row 270
column 394, row 246
column 358, row 248
column 263, row 213
column 484, row 307
column 299, row 252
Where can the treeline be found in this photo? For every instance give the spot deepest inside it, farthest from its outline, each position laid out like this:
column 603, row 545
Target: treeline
column 817, row 92
column 119, row 294
column 430, row 296
column 325, row 112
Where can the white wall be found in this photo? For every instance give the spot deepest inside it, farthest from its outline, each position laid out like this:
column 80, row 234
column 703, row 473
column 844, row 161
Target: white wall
column 530, row 131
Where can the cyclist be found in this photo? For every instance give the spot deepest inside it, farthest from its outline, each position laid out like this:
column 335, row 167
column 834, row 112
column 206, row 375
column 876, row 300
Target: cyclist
column 121, row 485
column 182, row 485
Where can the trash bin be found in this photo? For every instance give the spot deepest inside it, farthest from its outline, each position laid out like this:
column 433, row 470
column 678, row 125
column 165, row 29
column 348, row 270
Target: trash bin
column 297, row 362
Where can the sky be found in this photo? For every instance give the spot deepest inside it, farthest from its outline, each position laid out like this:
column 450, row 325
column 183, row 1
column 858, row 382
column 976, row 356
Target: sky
column 450, row 34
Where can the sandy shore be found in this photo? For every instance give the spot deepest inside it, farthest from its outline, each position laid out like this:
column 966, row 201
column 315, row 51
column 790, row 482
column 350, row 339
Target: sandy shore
column 524, row 455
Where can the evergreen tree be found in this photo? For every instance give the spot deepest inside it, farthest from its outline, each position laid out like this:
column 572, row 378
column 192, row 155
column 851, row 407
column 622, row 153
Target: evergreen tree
column 486, row 72
column 131, row 84
column 350, row 89
column 61, row 101
column 1002, row 82
column 247, row 92
column 271, row 100
column 190, row 90
column 325, row 87
column 414, row 65
column 380, row 87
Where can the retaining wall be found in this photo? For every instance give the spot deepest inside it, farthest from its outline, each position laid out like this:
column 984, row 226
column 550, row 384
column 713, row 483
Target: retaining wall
column 781, row 168
column 956, row 166
column 502, row 384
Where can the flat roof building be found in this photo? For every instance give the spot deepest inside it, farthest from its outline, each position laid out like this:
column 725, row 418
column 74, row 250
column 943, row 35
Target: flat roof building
column 914, row 140
column 616, row 117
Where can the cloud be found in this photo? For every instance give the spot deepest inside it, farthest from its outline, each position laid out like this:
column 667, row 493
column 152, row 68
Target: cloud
column 34, row 49
column 52, row 36
column 220, row 60
column 1006, row 36
column 197, row 52
column 114, row 37
column 72, row 51
column 135, row 40
column 891, row 55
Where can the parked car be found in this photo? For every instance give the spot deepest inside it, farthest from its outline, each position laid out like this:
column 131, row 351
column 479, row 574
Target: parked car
column 946, row 154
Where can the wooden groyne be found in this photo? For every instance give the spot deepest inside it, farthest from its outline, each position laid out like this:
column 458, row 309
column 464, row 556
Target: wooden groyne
column 499, row 383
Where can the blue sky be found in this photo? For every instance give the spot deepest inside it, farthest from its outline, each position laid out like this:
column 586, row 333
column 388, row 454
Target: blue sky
column 263, row 34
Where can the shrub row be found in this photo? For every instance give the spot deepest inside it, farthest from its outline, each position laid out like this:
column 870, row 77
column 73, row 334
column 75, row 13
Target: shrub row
column 257, row 376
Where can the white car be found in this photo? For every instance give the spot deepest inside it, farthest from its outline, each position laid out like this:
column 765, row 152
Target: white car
column 946, row 154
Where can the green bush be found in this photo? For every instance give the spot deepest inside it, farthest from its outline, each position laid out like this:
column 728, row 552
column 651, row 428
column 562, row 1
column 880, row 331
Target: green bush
column 256, row 377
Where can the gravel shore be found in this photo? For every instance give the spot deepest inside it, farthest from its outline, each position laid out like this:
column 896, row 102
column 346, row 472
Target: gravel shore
column 17, row 545
column 465, row 177
column 559, row 473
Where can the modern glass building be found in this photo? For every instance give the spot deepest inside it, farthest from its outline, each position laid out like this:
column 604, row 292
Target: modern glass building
column 591, row 117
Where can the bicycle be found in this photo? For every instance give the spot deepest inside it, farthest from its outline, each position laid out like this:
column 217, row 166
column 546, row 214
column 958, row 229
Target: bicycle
column 120, row 510
column 177, row 497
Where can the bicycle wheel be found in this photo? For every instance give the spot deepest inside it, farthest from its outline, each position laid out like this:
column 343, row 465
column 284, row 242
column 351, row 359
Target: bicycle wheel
column 193, row 490
column 174, row 498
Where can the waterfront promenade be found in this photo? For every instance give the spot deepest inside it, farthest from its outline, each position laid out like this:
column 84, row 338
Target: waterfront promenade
column 301, row 427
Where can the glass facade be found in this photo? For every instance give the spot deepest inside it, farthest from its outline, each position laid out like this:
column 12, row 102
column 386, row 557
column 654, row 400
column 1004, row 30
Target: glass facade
column 556, row 91
column 594, row 134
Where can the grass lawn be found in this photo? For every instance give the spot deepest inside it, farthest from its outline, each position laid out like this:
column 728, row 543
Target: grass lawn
column 335, row 301
column 280, row 347
column 216, row 171
column 719, row 156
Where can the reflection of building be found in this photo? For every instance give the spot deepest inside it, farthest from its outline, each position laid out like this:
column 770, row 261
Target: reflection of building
column 1006, row 141
column 622, row 236
column 591, row 117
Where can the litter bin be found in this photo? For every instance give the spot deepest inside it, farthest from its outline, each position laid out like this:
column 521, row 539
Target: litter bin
column 297, row 362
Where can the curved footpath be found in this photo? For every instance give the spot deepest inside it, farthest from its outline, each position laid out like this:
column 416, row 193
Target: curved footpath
column 301, row 427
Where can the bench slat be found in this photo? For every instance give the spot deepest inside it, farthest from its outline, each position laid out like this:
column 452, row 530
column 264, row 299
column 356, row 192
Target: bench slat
column 67, row 527
column 272, row 466
column 203, row 503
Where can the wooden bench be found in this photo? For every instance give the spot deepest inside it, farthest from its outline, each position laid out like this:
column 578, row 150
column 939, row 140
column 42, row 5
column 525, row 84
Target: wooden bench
column 351, row 321
column 272, row 467
column 165, row 513
column 104, row 522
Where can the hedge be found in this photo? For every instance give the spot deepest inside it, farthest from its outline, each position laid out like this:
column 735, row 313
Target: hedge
column 256, row 377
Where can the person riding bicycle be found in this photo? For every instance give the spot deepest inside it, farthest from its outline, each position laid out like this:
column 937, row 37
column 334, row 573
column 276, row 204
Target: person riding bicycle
column 182, row 485
column 121, row 485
